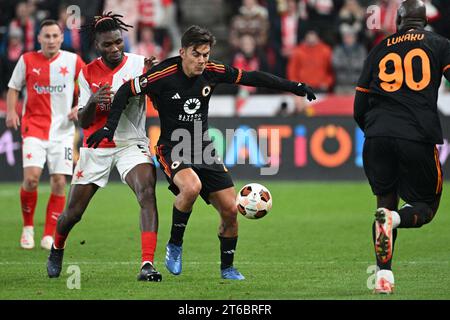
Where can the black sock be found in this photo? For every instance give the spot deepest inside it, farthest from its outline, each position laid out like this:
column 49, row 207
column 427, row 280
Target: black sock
column 179, row 222
column 388, row 264
column 227, row 248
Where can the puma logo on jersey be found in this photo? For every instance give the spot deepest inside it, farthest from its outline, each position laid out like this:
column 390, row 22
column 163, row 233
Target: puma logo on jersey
column 37, row 71
column 176, row 96
column 95, row 85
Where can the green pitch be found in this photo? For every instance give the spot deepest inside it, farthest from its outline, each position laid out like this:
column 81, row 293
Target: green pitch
column 314, row 244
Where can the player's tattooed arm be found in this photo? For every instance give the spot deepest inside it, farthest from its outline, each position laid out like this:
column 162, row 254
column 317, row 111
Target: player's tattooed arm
column 264, row 79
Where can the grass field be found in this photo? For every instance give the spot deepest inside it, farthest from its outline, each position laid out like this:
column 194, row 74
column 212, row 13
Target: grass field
column 314, row 244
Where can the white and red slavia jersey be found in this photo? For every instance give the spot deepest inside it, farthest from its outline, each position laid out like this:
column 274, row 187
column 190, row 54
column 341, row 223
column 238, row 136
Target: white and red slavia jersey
column 50, row 89
column 131, row 127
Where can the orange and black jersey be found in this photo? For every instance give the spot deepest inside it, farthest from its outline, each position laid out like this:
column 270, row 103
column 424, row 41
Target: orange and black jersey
column 180, row 100
column 183, row 101
column 401, row 77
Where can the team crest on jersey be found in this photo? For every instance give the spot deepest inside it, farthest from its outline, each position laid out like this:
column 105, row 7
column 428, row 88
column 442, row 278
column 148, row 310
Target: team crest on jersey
column 143, row 82
column 192, row 105
column 175, row 164
column 206, row 90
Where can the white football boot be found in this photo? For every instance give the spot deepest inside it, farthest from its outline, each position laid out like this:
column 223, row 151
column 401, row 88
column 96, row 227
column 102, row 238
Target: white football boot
column 27, row 238
column 384, row 282
column 46, row 242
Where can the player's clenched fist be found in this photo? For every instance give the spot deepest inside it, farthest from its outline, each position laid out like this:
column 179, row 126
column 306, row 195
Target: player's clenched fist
column 304, row 90
column 103, row 95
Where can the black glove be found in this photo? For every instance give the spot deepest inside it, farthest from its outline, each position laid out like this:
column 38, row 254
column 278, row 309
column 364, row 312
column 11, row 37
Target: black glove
column 302, row 89
column 94, row 139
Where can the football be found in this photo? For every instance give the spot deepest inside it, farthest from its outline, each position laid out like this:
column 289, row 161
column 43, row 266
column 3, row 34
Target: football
column 254, row 201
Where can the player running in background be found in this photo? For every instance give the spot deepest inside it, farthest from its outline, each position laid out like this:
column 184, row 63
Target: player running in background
column 395, row 106
column 127, row 151
column 49, row 77
column 181, row 88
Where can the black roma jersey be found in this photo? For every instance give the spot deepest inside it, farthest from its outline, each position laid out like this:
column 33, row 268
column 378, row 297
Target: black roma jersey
column 183, row 102
column 402, row 74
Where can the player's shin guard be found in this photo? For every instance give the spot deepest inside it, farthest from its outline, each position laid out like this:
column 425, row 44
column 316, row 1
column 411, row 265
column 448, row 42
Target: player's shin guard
column 55, row 207
column 28, row 202
column 148, row 245
column 227, row 249
column 415, row 216
column 179, row 223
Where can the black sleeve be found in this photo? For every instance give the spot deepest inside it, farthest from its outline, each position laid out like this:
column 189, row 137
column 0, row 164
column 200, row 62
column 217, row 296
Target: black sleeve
column 119, row 104
column 360, row 108
column 137, row 86
column 267, row 80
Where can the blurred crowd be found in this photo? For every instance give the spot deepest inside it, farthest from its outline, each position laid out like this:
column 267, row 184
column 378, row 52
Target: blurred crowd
column 320, row 42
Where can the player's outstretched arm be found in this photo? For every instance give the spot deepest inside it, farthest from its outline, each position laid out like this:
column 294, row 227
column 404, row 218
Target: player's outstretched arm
column 267, row 80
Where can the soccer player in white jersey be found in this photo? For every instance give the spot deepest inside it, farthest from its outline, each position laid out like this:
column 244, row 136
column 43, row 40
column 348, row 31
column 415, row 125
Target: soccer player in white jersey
column 49, row 77
column 128, row 151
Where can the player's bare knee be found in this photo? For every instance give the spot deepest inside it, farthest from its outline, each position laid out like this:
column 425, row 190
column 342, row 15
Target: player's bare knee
column 191, row 191
column 58, row 184
column 31, row 183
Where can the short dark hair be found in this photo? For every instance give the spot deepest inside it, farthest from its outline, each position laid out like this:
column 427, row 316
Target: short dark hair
column 197, row 36
column 49, row 22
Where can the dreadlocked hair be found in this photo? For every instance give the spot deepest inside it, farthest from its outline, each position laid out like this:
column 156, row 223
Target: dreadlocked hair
column 104, row 23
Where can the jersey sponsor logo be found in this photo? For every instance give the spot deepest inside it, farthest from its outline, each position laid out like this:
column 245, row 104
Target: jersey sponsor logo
column 48, row 89
column 192, row 105
column 206, row 90
column 176, row 96
column 37, row 71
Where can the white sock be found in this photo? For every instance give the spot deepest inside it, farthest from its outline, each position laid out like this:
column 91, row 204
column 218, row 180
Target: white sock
column 395, row 219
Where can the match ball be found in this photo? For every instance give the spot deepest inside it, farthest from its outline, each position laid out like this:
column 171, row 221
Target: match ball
column 254, row 201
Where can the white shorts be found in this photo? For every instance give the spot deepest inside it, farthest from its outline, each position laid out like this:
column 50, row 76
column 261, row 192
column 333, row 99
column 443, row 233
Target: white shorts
column 95, row 165
column 57, row 154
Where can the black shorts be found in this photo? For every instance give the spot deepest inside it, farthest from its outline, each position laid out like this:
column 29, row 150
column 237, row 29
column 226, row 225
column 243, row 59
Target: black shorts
column 409, row 168
column 214, row 177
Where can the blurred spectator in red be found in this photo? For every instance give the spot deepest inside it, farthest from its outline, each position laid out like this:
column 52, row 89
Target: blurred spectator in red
column 248, row 58
column 147, row 46
column 27, row 23
column 310, row 62
column 348, row 61
column 252, row 19
column 161, row 16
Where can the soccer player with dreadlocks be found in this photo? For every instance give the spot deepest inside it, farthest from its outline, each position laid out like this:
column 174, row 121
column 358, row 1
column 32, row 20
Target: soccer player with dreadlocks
column 128, row 151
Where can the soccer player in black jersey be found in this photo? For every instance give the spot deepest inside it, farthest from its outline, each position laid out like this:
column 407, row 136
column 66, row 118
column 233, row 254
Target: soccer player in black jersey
column 395, row 106
column 181, row 88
